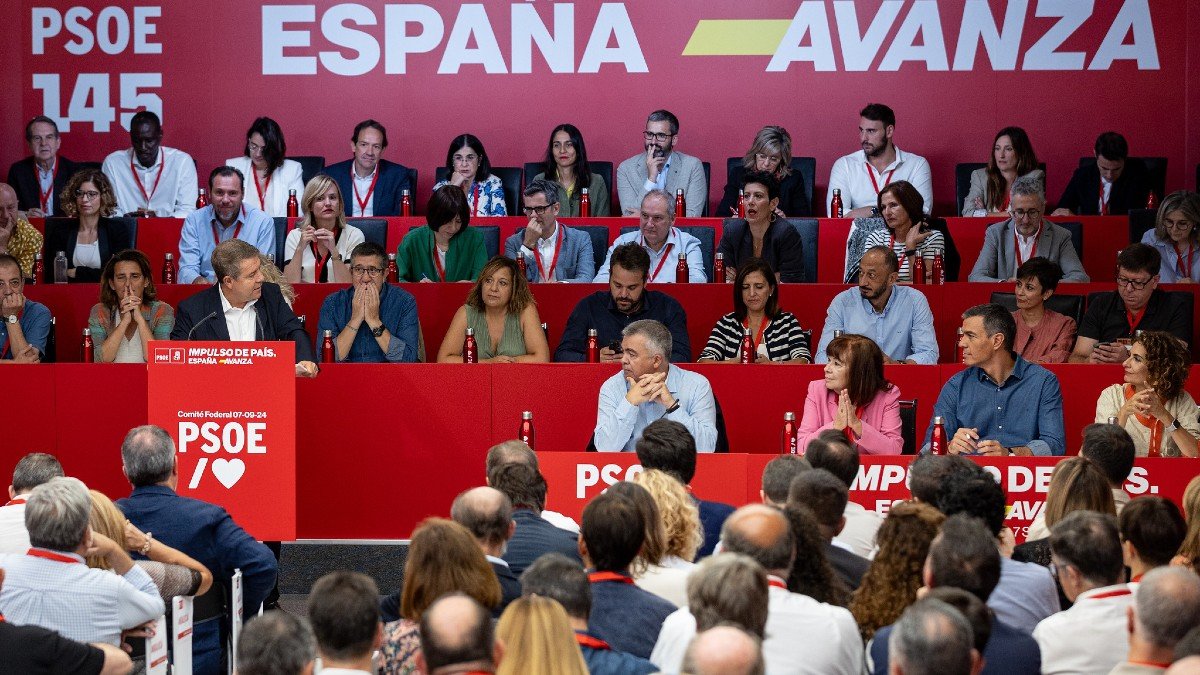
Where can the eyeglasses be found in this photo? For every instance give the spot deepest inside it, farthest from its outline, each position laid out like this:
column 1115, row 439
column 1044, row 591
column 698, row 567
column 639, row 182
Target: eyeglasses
column 1026, row 213
column 661, row 138
column 1134, row 284
column 466, row 159
column 87, row 194
column 253, row 147
column 770, row 159
column 1178, row 225
column 359, row 270
column 530, row 210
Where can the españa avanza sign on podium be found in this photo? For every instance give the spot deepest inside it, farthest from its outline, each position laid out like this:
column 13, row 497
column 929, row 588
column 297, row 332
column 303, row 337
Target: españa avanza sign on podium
column 231, row 408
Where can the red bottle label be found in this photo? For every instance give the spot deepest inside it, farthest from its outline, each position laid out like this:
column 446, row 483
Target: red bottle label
column 937, row 441
column 470, row 351
column 585, row 206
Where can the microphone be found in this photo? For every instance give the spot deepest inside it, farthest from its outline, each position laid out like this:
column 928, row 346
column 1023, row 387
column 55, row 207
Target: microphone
column 200, row 323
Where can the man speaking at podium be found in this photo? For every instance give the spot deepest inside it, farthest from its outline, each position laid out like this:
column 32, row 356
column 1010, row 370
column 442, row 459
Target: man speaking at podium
column 242, row 307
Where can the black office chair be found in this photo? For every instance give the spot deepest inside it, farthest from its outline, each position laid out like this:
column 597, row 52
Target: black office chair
column 722, row 437
column 310, row 165
column 510, row 176
column 1076, row 230
column 707, row 182
column 51, row 355
column 374, row 229
column 1156, row 171
column 805, row 166
column 1067, row 305
column 602, row 169
column 807, row 229
column 281, row 230
column 908, row 426
column 1140, row 222
column 599, row 236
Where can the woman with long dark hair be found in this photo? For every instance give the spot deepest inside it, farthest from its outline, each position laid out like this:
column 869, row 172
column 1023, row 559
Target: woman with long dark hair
column 1012, row 157
column 566, row 163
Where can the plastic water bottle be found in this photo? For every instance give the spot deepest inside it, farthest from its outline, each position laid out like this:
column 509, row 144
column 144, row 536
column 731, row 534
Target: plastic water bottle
column 60, row 267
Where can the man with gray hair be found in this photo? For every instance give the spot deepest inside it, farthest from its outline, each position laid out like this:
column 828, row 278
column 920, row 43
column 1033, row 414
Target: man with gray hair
column 932, row 638
column 662, row 241
column 1167, row 607
column 650, row 387
column 551, row 251
column 661, row 167
column 1009, row 243
column 798, row 629
column 277, row 643
column 204, row 531
column 724, row 650
column 50, row 586
column 516, row 451
column 31, row 471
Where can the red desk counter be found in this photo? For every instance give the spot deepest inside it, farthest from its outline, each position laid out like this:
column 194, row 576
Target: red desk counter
column 381, row 447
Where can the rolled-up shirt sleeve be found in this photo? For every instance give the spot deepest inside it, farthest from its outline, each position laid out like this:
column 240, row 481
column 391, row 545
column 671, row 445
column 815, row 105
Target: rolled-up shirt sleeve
column 616, row 417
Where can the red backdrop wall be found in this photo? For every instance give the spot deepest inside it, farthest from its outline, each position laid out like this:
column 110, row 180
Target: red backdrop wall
column 1119, row 64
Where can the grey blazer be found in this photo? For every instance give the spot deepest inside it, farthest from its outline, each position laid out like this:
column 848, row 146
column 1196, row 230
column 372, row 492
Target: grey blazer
column 996, row 260
column 979, row 188
column 575, row 260
column 687, row 174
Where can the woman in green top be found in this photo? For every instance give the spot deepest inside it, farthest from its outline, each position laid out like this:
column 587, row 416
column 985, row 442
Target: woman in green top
column 445, row 249
column 566, row 163
column 501, row 310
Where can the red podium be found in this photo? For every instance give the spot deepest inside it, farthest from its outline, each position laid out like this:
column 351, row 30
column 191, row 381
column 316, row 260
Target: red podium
column 231, row 408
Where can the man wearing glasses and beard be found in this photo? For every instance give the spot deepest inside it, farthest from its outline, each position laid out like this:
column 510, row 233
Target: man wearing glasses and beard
column 661, row 167
column 372, row 321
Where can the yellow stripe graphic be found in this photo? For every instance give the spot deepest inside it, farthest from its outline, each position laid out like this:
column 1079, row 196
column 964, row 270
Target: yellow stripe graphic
column 736, row 37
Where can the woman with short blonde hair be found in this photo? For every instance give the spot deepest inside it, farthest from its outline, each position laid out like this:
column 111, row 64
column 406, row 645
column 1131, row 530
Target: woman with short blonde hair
column 538, row 639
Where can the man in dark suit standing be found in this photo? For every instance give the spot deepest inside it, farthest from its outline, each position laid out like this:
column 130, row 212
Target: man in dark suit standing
column 534, row 536
column 1111, row 186
column 40, row 178
column 204, row 531
column 241, row 307
column 371, row 185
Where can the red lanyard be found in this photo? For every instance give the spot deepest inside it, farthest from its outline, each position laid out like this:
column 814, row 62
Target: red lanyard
column 1109, row 594
column 362, row 202
column 663, row 260
column 1017, row 245
column 871, row 175
column 475, row 199
column 588, row 641
column 900, row 256
column 1007, row 199
column 236, row 231
column 262, row 189
column 50, row 190
column 776, row 582
column 548, row 275
column 1103, row 201
column 1135, row 318
column 157, row 179
column 50, row 555
column 1155, row 425
column 437, row 262
column 1185, row 264
column 319, row 262
column 762, row 331
column 15, row 501
column 596, row 577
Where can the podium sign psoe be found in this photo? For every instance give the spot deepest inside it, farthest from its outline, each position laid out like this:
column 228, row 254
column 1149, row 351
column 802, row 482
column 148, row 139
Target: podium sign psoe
column 181, row 635
column 156, row 648
column 231, row 409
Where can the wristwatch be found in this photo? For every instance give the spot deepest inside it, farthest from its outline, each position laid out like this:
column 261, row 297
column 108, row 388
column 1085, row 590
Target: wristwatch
column 377, row 332
column 11, row 318
column 1172, row 427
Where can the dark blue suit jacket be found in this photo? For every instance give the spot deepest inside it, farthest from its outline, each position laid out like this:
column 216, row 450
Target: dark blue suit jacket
column 207, row 533
column 393, row 180
column 22, row 176
column 1009, row 651
column 533, row 538
column 627, row 616
column 276, row 321
column 712, row 517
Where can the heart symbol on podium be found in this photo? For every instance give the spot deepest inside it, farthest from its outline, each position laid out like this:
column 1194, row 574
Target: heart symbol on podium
column 228, row 471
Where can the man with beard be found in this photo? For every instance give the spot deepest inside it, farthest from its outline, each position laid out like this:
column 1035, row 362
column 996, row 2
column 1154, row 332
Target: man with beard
column 861, row 175
column 150, row 179
column 225, row 218
column 661, row 167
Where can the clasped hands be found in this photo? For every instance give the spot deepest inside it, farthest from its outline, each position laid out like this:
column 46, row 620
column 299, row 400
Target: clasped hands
column 966, row 441
column 649, row 387
column 847, row 414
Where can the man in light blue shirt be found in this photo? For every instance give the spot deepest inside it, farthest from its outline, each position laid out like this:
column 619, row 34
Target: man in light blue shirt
column 897, row 318
column 663, row 241
column 650, row 388
column 225, row 217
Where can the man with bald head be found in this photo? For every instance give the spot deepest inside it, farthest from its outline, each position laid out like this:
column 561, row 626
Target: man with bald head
column 488, row 514
column 457, row 637
column 724, row 650
column 17, row 237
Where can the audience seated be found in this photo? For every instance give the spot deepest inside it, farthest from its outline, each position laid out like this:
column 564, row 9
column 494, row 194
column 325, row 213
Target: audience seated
column 457, row 636
column 551, row 251
column 661, row 167
column 724, row 650
column 777, row 478
column 17, row 237
column 1001, row 405
column 1008, row 244
column 1189, row 551
column 1111, row 186
column 273, row 175
column 40, row 177
column 344, row 612
column 991, row 187
column 770, row 153
column 30, row 471
column 1167, row 605
column 826, row 495
column 625, row 301
column 761, row 233
column 24, row 324
column 1043, row 335
column 932, row 637
column 225, row 218
column 905, row 232
column 372, row 321
column 376, row 184
column 811, row 573
column 129, row 314
column 445, row 248
column 538, row 639
column 200, row 530
column 682, row 536
column 318, row 247
column 89, row 236
column 277, row 643
column 831, row 450
column 519, row 452
column 1113, row 318
column 775, row 335
column 1177, row 223
column 662, row 241
column 1090, row 637
column 1152, row 530
column 162, row 182
column 559, row 578
column 469, row 169
column 669, row 446
column 648, row 388
column 1109, row 447
column 534, row 536
column 854, row 398
column 503, row 315
column 647, row 569
column 897, row 318
column 566, row 164
column 1151, row 403
column 43, row 588
column 861, row 175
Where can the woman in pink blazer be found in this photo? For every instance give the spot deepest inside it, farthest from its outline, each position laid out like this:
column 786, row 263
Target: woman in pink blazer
column 854, row 397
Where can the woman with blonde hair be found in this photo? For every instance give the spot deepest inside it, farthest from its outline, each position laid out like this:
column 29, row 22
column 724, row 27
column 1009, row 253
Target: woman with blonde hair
column 1076, row 484
column 538, row 639
column 891, row 583
column 1189, row 552
column 659, row 567
column 443, row 558
column 318, row 248
column 173, row 572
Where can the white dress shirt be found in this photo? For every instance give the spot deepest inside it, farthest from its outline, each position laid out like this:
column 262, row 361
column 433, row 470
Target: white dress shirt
column 289, row 176
column 172, row 195
column 860, row 529
column 360, row 187
column 850, row 175
column 46, row 186
column 1090, row 637
column 240, row 322
column 545, row 252
column 803, row 637
column 668, row 580
column 14, row 538
column 664, row 260
column 1106, row 187
column 351, row 236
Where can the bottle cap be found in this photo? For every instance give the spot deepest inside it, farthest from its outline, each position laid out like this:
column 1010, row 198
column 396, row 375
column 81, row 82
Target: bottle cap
column 837, row 191
column 87, row 331
column 471, row 332
column 328, row 333
column 62, row 253
column 683, row 256
column 292, row 192
column 745, row 330
column 584, row 191
column 720, row 256
column 1112, row 420
column 838, row 333
column 789, row 417
column 405, row 192
column 527, row 415
column 170, row 256
column 391, row 257
column 591, row 332
column 679, row 191
column 939, row 420
column 37, row 256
